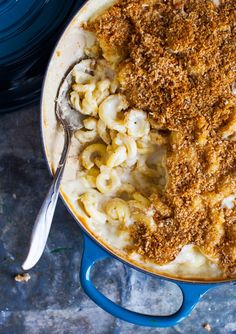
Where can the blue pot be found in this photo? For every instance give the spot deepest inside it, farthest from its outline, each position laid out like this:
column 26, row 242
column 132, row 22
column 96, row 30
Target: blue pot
column 94, row 251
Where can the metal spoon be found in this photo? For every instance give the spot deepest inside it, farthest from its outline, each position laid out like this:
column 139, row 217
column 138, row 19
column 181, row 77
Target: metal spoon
column 70, row 120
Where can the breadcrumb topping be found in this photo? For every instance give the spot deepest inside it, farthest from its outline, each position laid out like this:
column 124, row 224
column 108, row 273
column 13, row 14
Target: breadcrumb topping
column 177, row 61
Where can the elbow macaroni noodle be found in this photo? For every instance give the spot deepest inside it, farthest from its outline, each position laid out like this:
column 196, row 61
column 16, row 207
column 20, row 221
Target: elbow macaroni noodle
column 117, row 142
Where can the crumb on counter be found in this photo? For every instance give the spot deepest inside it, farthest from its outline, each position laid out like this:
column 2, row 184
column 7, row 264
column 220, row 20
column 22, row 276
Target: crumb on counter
column 25, row 277
column 207, row 327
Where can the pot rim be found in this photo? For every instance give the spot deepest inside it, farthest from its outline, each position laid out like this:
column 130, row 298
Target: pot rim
column 85, row 230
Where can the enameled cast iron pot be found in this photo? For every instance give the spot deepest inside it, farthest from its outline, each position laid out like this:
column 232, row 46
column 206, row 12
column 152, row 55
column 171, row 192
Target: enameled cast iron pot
column 68, row 51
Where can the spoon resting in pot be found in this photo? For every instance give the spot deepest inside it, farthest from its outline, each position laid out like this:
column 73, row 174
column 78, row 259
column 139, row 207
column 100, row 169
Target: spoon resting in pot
column 71, row 120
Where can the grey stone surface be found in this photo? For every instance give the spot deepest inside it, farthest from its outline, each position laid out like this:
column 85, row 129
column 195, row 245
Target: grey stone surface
column 53, row 301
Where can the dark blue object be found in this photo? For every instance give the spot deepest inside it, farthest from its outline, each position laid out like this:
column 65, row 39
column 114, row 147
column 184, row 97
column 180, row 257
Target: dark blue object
column 28, row 32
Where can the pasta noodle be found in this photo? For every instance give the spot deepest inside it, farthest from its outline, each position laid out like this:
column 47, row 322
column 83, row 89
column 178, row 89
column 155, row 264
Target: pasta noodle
column 122, row 139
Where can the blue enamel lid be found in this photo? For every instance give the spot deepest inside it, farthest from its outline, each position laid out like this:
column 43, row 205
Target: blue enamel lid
column 29, row 30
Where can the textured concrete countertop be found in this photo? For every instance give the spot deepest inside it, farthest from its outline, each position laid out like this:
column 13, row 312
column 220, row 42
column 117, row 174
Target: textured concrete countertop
column 52, row 301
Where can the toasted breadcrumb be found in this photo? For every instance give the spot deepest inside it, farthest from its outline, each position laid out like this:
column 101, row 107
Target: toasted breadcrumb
column 207, row 327
column 25, row 277
column 178, row 63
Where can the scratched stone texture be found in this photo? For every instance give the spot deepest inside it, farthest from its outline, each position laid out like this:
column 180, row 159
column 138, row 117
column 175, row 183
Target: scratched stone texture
column 52, row 301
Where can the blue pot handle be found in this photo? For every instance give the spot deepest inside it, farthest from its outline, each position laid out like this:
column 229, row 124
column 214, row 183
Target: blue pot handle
column 191, row 293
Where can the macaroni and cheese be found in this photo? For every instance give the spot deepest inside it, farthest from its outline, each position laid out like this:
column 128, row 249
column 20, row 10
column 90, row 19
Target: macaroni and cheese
column 157, row 152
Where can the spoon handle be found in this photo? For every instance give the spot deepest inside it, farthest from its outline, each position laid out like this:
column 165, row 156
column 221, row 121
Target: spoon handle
column 44, row 218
